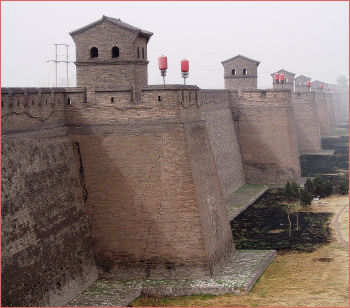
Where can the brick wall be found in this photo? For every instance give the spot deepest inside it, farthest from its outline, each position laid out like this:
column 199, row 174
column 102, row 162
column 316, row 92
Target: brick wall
column 31, row 108
column 322, row 113
column 217, row 114
column 267, row 136
column 331, row 109
column 152, row 184
column 307, row 122
column 47, row 254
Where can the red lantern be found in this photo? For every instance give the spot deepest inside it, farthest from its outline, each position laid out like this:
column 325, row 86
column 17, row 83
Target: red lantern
column 328, row 89
column 282, row 78
column 277, row 78
column 163, row 63
column 308, row 84
column 185, row 66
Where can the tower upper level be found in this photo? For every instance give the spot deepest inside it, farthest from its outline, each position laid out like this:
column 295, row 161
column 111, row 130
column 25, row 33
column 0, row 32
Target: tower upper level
column 111, row 54
column 240, row 73
column 288, row 80
column 301, row 83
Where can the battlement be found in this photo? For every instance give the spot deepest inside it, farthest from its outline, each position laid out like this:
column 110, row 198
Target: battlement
column 303, row 97
column 267, row 98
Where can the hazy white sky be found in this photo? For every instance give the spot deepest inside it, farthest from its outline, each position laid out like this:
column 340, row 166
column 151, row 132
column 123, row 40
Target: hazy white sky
column 309, row 38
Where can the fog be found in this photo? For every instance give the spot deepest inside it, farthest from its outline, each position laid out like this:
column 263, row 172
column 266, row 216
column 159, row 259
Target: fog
column 309, row 38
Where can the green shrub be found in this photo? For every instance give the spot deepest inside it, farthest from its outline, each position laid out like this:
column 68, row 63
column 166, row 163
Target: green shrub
column 305, row 197
column 321, row 187
column 344, row 187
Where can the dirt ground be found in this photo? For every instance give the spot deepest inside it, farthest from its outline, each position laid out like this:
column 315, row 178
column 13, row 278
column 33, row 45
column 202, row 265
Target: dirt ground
column 317, row 279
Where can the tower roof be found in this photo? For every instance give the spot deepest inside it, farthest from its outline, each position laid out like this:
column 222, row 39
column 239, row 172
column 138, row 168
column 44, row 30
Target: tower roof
column 243, row 57
column 302, row 77
column 283, row 71
column 116, row 22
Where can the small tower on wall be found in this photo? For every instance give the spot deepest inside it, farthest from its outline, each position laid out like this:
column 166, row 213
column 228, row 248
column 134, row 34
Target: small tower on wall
column 302, row 83
column 287, row 83
column 318, row 86
column 240, row 73
column 111, row 54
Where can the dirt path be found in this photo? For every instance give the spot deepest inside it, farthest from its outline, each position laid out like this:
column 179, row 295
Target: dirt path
column 336, row 225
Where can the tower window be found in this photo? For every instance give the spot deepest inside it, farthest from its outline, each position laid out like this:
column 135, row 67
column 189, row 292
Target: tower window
column 233, row 72
column 112, row 99
column 245, row 71
column 115, row 52
column 138, row 52
column 143, row 53
column 93, row 52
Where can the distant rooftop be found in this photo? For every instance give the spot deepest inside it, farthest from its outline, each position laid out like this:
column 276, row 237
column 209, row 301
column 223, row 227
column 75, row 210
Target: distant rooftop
column 243, row 57
column 282, row 71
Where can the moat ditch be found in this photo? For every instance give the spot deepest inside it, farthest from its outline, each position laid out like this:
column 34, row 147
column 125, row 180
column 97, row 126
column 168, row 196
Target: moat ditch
column 265, row 225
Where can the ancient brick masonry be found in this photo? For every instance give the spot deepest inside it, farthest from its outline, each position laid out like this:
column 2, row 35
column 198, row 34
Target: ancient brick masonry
column 47, row 253
column 307, row 122
column 267, row 136
column 124, row 179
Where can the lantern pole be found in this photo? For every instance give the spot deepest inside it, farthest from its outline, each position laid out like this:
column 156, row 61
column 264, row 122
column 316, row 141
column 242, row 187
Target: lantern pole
column 163, row 74
column 184, row 76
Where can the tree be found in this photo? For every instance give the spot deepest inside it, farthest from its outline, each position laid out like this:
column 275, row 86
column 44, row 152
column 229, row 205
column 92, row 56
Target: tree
column 308, row 186
column 344, row 187
column 327, row 188
column 295, row 190
column 322, row 187
column 288, row 193
column 305, row 198
column 319, row 185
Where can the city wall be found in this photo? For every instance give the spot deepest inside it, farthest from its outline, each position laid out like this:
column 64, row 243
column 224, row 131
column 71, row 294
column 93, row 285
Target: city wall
column 267, row 136
column 322, row 113
column 47, row 253
column 306, row 122
column 153, row 183
column 148, row 172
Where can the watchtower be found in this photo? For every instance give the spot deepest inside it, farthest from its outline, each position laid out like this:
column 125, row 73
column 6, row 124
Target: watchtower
column 111, row 54
column 301, row 84
column 287, row 83
column 240, row 73
column 318, row 86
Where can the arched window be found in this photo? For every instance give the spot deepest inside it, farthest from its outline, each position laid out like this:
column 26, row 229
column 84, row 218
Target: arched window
column 245, row 71
column 115, row 52
column 93, row 52
column 138, row 52
column 233, row 72
column 143, row 53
